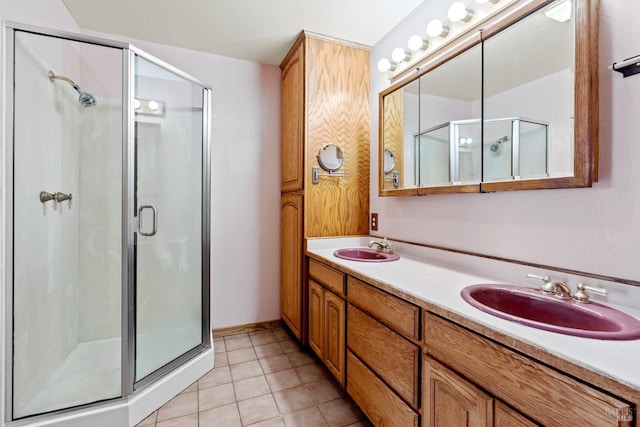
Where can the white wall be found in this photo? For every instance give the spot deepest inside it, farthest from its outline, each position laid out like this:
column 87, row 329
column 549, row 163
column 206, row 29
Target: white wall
column 245, row 167
column 593, row 230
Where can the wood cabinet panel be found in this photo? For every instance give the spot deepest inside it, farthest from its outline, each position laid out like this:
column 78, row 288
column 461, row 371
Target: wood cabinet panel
column 452, row 401
column 544, row 394
column 291, row 247
column 324, row 99
column 334, row 338
column 316, row 318
column 504, row 416
column 393, row 137
column 327, row 277
column 337, row 87
column 292, row 122
column 398, row 314
column 379, row 402
column 391, row 357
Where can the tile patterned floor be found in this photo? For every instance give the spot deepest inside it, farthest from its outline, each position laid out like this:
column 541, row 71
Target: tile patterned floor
column 261, row 379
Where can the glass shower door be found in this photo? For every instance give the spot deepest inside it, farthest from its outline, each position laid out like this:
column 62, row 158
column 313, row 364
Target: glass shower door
column 168, row 208
column 67, row 197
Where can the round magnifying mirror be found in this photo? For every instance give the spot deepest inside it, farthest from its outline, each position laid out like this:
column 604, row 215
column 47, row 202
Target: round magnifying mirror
column 389, row 161
column 330, row 157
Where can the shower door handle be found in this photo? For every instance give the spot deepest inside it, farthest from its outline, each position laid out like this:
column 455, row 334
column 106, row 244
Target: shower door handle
column 154, row 230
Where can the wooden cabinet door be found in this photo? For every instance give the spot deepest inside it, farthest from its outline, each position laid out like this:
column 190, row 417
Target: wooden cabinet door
column 450, row 400
column 292, row 121
column 504, row 416
column 291, row 248
column 334, row 316
column 316, row 318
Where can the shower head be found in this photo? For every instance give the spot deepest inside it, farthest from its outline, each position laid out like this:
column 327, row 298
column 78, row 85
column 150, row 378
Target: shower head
column 85, row 99
column 494, row 147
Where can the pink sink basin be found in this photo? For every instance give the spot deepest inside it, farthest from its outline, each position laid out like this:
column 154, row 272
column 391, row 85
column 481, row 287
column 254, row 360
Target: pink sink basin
column 532, row 308
column 365, row 255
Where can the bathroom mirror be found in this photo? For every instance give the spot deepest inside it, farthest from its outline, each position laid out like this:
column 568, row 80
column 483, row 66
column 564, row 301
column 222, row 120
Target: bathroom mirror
column 529, row 98
column 330, row 157
column 527, row 119
column 400, row 123
column 448, row 145
column 389, row 161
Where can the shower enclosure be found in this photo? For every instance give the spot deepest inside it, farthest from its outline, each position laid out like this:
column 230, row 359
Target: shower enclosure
column 451, row 152
column 105, row 225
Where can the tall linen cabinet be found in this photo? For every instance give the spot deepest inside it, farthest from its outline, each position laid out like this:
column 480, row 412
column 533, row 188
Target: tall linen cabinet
column 325, row 100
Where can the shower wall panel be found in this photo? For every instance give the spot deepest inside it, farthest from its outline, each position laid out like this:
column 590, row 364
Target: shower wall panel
column 100, row 210
column 100, row 206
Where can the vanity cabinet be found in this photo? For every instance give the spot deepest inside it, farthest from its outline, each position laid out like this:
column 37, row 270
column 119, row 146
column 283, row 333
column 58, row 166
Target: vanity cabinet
column 324, row 100
column 383, row 355
column 406, row 362
column 327, row 317
column 483, row 379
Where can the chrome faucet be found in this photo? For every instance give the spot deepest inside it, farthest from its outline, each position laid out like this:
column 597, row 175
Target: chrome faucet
column 559, row 289
column 381, row 246
column 562, row 291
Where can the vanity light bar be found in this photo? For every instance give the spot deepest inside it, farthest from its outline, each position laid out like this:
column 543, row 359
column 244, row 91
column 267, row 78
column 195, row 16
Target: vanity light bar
column 459, row 16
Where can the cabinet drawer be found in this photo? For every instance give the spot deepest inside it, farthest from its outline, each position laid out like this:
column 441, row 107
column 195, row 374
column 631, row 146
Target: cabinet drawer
column 399, row 315
column 544, row 394
column 327, row 277
column 379, row 403
column 391, row 357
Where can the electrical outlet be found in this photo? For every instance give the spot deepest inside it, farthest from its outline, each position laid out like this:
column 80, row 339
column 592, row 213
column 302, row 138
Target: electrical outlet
column 374, row 222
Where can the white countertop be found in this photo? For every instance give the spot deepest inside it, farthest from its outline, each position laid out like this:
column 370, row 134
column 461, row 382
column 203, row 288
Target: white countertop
column 440, row 285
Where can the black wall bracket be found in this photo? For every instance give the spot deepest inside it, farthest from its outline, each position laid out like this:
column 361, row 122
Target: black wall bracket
column 628, row 67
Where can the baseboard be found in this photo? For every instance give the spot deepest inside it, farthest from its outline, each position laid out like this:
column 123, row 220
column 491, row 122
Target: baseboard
column 251, row 327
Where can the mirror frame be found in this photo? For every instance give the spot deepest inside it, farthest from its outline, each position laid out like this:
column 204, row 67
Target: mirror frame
column 585, row 162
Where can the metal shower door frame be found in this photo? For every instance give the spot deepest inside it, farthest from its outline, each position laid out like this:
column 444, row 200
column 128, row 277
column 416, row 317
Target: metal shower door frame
column 129, row 208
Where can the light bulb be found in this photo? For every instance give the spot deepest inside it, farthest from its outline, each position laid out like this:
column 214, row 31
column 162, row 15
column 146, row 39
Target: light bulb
column 416, row 42
column 385, row 65
column 136, row 104
column 399, row 54
column 435, row 28
column 153, row 105
column 459, row 12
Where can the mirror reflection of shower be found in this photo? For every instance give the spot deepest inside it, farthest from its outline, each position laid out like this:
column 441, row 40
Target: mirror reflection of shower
column 496, row 145
column 85, row 99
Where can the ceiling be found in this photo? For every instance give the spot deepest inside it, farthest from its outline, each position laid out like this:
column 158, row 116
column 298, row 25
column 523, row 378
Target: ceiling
column 255, row 30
